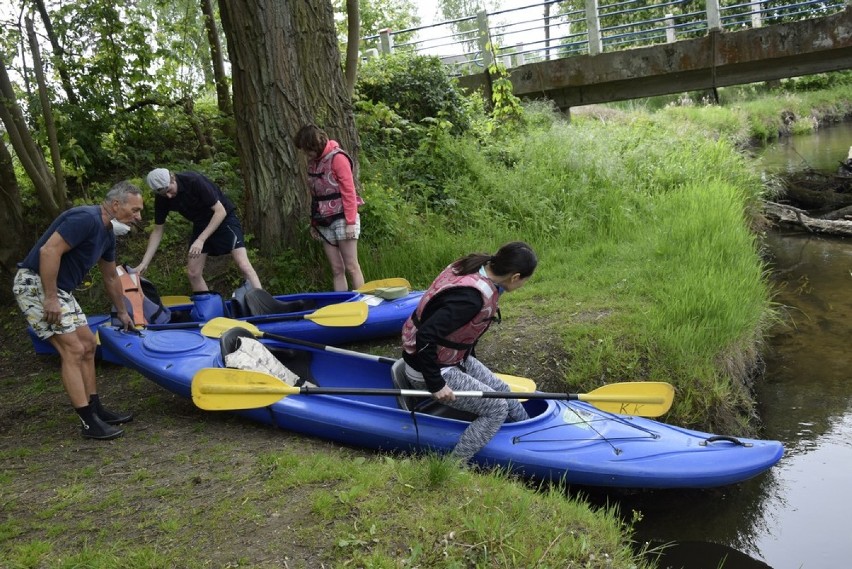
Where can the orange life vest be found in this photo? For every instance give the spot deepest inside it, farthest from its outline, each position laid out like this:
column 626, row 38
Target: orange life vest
column 142, row 309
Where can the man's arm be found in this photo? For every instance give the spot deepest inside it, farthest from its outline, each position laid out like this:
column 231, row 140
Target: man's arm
column 50, row 256
column 153, row 244
column 112, row 285
column 219, row 214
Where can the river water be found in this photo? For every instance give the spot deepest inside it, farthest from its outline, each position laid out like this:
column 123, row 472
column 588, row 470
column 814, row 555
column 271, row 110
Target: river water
column 795, row 516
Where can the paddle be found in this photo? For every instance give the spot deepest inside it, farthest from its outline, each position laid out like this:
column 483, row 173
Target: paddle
column 334, row 315
column 175, row 300
column 370, row 287
column 218, row 326
column 391, row 292
column 343, row 314
column 220, row 389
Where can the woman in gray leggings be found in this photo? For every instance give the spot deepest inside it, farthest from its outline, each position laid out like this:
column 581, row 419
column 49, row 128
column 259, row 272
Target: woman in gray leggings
column 440, row 336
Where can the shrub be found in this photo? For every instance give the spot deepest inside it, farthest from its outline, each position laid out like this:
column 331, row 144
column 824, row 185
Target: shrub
column 415, row 88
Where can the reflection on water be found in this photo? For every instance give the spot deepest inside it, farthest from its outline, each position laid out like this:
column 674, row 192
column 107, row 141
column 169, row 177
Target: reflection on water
column 702, row 555
column 806, row 402
column 796, row 515
column 821, row 150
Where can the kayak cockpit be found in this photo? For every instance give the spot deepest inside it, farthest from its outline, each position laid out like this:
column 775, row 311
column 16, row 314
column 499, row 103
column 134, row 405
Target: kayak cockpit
column 323, row 369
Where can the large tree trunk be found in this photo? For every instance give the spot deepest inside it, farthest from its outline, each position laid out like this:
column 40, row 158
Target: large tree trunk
column 286, row 73
column 223, row 95
column 28, row 151
column 329, row 104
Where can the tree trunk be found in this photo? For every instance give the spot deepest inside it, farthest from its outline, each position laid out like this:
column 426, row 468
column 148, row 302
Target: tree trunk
column 223, row 95
column 329, row 104
column 58, row 53
column 205, row 150
column 353, row 41
column 12, row 246
column 60, row 194
column 25, row 147
column 286, row 73
column 793, row 216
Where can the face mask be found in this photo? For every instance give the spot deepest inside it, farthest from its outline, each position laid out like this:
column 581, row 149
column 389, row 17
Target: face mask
column 119, row 228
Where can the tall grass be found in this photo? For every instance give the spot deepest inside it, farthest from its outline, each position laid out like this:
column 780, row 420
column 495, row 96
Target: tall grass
column 648, row 267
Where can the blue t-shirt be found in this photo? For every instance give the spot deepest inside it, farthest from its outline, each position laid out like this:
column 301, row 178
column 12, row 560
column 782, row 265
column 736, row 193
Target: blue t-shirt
column 83, row 229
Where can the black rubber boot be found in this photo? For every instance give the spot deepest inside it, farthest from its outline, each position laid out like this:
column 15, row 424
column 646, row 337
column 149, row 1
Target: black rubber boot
column 111, row 417
column 94, row 427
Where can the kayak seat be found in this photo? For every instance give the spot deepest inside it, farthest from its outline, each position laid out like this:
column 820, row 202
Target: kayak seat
column 259, row 302
column 425, row 405
column 229, row 341
column 297, row 361
column 238, row 300
column 238, row 307
column 400, row 381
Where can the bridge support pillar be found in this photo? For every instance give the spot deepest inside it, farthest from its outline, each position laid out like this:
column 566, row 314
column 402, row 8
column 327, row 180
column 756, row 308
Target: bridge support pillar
column 484, row 39
column 594, row 24
column 714, row 18
column 386, row 40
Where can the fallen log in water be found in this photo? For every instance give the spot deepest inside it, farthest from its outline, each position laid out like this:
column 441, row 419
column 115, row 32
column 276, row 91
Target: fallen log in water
column 789, row 215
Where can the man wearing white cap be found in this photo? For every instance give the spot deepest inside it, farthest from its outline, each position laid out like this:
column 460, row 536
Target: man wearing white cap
column 215, row 227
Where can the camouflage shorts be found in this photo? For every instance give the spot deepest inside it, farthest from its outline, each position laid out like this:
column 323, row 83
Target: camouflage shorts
column 29, row 293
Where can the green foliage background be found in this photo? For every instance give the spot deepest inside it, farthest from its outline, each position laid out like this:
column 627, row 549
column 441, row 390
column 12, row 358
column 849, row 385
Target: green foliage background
column 641, row 215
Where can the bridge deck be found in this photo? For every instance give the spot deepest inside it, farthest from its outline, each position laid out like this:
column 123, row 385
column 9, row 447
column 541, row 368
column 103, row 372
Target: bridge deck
column 718, row 59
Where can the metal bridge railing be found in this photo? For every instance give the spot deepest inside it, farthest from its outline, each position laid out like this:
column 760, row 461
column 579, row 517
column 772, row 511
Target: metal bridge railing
column 553, row 29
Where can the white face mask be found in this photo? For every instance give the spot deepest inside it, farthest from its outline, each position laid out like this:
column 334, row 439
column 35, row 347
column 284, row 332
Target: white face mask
column 119, row 228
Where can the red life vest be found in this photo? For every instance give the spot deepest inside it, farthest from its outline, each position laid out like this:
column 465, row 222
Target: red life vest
column 457, row 345
column 326, row 201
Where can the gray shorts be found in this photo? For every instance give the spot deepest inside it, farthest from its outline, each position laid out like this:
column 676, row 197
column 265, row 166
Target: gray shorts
column 29, row 293
column 337, row 230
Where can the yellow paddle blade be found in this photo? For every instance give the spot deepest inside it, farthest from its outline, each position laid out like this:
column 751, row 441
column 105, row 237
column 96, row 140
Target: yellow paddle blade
column 218, row 326
column 223, row 389
column 371, row 286
column 641, row 398
column 340, row 315
column 344, row 314
column 517, row 383
column 174, row 300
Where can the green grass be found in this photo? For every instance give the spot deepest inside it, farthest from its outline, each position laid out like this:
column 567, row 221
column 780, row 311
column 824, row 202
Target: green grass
column 648, row 268
column 370, row 512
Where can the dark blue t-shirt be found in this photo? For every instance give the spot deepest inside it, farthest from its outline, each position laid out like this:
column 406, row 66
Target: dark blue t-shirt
column 195, row 198
column 83, row 229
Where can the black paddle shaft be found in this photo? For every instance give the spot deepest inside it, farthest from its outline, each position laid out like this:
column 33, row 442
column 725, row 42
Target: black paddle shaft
column 417, row 393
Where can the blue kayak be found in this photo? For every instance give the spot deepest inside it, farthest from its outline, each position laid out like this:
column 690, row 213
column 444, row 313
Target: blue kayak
column 563, row 440
column 281, row 314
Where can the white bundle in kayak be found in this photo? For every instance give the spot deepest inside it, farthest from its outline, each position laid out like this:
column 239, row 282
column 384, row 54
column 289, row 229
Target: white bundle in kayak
column 252, row 355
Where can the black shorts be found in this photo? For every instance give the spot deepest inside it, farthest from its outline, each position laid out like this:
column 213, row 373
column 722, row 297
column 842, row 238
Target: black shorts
column 227, row 237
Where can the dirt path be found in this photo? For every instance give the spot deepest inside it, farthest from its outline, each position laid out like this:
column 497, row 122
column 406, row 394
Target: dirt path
column 179, row 480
